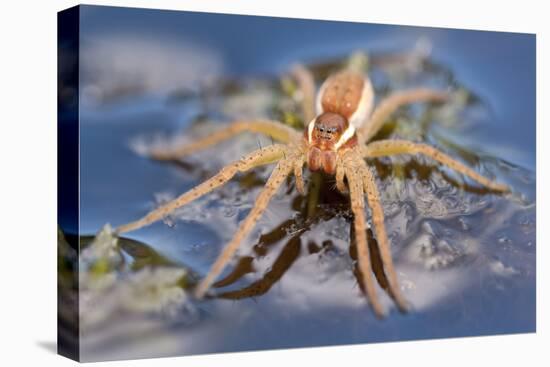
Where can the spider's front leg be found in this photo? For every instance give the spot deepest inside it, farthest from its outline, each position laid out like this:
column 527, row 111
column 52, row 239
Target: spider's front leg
column 340, row 174
column 361, row 181
column 273, row 129
column 373, row 198
column 259, row 157
column 360, row 223
column 385, row 148
column 298, row 174
column 281, row 171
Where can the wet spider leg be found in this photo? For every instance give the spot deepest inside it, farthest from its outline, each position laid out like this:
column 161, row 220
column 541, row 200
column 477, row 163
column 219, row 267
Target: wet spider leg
column 363, row 255
column 373, row 198
column 281, row 171
column 385, row 148
column 259, row 157
column 274, row 129
column 390, row 104
column 306, row 84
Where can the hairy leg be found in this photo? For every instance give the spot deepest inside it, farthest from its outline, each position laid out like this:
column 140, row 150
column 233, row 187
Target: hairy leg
column 259, row 157
column 393, row 147
column 277, row 177
column 340, row 173
column 373, row 198
column 359, row 221
column 306, row 84
column 390, row 104
column 298, row 174
column 274, row 129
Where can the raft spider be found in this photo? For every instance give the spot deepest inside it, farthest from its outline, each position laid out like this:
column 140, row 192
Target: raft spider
column 337, row 141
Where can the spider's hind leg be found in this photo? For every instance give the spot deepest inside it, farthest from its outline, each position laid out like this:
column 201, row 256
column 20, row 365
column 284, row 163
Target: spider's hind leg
column 391, row 104
column 306, row 85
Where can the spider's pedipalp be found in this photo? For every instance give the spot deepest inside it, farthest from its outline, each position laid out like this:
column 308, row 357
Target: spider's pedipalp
column 259, row 157
column 281, row 171
column 373, row 198
column 384, row 148
column 273, row 129
column 359, row 221
column 390, row 104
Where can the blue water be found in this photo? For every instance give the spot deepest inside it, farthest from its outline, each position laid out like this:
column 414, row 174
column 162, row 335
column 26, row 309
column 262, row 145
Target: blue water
column 488, row 288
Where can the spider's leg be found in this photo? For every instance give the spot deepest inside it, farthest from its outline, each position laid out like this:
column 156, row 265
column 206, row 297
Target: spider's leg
column 277, row 177
column 340, row 172
column 390, row 104
column 262, row 156
column 359, row 221
column 393, row 147
column 306, row 84
column 373, row 198
column 298, row 174
column 274, row 129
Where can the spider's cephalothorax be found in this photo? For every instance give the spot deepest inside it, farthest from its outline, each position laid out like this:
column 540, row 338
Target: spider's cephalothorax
column 324, row 136
column 336, row 140
column 344, row 101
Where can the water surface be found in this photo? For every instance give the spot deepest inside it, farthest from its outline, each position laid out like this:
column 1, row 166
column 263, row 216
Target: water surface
column 465, row 257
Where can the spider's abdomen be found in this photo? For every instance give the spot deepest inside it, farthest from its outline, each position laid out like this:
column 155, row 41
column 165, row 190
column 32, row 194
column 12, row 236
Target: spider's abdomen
column 341, row 93
column 347, row 93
